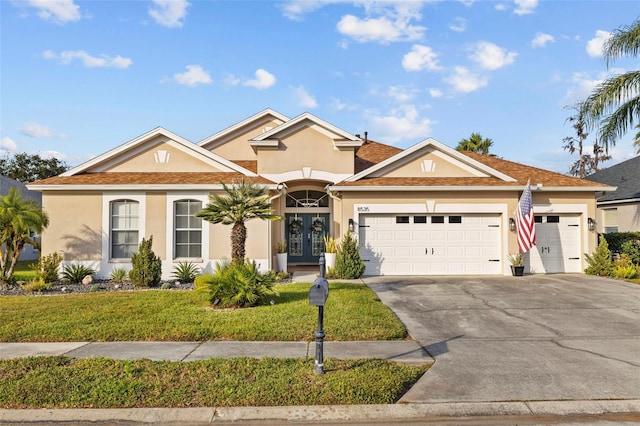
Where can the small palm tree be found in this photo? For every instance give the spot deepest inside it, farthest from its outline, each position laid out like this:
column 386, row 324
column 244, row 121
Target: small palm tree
column 19, row 218
column 614, row 105
column 475, row 143
column 240, row 202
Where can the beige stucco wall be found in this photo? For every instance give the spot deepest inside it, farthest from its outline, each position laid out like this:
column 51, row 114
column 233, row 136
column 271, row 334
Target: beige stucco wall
column 440, row 168
column 257, row 246
column 156, row 222
column 628, row 217
column 179, row 161
column 306, row 148
column 75, row 224
column 237, row 147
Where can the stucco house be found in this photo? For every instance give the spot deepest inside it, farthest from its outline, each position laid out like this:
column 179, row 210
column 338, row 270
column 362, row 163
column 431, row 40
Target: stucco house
column 425, row 210
column 619, row 211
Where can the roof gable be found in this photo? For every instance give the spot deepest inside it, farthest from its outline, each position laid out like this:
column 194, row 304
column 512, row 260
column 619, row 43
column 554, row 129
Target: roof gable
column 421, row 160
column 156, row 138
column 341, row 138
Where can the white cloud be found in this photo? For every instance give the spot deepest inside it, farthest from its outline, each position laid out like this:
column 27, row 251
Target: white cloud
column 58, row 11
column 304, row 99
column 420, row 58
column 525, row 7
column 193, row 76
column 582, row 85
column 36, row 130
column 263, row 80
column 295, row 10
column 464, row 81
column 343, row 44
column 337, row 105
column 402, row 123
column 458, row 25
column 102, row 61
column 391, row 23
column 435, row 93
column 169, row 13
column 8, row 144
column 541, row 40
column 501, row 6
column 491, row 57
column 402, row 94
column 595, row 45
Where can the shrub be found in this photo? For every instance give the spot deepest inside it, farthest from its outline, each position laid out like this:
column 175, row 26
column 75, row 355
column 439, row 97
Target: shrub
column 185, row 272
column 75, row 273
column 281, row 246
column 600, row 263
column 624, row 268
column 632, row 249
column 349, row 265
column 119, row 275
column 35, row 285
column 146, row 268
column 615, row 240
column 47, row 267
column 237, row 284
column 330, row 245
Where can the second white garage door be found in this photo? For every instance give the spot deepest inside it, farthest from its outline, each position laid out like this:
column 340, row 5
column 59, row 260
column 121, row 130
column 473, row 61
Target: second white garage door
column 414, row 244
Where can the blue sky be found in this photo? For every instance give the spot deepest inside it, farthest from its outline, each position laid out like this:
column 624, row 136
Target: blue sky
column 79, row 78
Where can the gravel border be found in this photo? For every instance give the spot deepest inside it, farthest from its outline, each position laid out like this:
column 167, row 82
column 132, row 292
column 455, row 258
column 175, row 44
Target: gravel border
column 60, row 288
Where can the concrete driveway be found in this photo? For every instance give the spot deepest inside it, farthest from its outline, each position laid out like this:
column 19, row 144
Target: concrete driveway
column 534, row 338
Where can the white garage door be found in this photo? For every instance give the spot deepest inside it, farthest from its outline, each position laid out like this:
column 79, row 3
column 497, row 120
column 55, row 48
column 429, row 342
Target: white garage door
column 558, row 245
column 414, row 244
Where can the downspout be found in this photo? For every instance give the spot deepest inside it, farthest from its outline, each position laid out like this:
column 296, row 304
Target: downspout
column 335, row 198
column 281, row 187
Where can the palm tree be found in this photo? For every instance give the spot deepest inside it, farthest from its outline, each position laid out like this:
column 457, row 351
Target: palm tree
column 241, row 202
column 19, row 218
column 475, row 143
column 615, row 103
column 636, row 142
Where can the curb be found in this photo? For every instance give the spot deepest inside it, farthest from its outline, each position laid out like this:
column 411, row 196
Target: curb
column 334, row 413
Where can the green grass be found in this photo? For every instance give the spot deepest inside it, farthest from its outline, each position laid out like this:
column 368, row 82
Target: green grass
column 352, row 312
column 23, row 272
column 62, row 382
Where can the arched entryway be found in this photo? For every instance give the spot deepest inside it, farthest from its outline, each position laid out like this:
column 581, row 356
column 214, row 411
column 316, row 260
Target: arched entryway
column 307, row 222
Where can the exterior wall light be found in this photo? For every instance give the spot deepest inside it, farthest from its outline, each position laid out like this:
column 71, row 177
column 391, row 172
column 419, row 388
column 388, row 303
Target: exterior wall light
column 591, row 224
column 512, row 224
column 351, row 225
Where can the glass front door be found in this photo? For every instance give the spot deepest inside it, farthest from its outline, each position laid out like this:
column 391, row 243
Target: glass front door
column 305, row 236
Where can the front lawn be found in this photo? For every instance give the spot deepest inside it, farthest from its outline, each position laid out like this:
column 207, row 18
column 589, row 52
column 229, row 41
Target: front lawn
column 62, row 382
column 23, row 271
column 352, row 312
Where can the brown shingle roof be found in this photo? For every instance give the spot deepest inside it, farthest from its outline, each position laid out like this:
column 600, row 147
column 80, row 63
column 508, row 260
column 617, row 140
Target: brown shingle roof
column 250, row 165
column 371, row 153
column 138, row 178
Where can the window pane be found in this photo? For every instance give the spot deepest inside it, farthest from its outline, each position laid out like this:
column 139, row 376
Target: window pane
column 195, row 222
column 182, row 222
column 182, row 237
column 182, row 207
column 182, row 251
column 402, row 219
column 195, row 237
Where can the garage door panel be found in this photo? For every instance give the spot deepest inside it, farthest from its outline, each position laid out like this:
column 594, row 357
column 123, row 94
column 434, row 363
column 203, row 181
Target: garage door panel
column 463, row 246
column 558, row 245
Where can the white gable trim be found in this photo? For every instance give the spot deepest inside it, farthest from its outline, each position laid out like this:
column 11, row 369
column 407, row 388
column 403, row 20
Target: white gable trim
column 341, row 138
column 222, row 136
column 135, row 146
column 445, row 152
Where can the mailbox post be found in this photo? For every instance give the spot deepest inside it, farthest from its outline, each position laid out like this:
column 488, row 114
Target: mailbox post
column 318, row 294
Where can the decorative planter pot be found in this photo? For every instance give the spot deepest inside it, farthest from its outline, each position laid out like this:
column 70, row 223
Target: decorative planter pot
column 330, row 260
column 517, row 271
column 282, row 261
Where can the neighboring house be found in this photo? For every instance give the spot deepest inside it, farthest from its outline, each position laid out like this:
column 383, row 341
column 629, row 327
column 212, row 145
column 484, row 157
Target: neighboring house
column 425, row 210
column 29, row 252
column 619, row 211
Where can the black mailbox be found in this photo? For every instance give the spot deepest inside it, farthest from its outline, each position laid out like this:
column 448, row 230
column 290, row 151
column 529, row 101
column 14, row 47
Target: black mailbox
column 319, row 292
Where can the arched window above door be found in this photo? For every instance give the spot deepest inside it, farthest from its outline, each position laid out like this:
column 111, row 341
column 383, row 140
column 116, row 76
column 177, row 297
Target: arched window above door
column 307, row 198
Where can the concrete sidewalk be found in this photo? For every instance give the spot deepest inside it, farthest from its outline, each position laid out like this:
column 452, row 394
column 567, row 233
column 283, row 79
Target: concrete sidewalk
column 406, row 351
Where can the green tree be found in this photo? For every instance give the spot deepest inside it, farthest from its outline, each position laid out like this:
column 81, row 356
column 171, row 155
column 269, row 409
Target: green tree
column 19, row 219
column 600, row 263
column 614, row 105
column 586, row 163
column 349, row 264
column 636, row 142
column 146, row 267
column 476, row 143
column 27, row 168
column 241, row 202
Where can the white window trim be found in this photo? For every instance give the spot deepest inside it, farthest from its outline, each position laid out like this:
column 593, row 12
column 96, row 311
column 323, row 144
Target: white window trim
column 171, row 199
column 107, row 199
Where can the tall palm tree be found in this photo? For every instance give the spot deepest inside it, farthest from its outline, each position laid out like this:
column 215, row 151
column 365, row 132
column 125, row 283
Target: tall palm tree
column 614, row 105
column 19, row 218
column 636, row 142
column 242, row 201
column 475, row 143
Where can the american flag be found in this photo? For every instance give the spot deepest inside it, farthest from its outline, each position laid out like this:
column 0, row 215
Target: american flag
column 525, row 222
